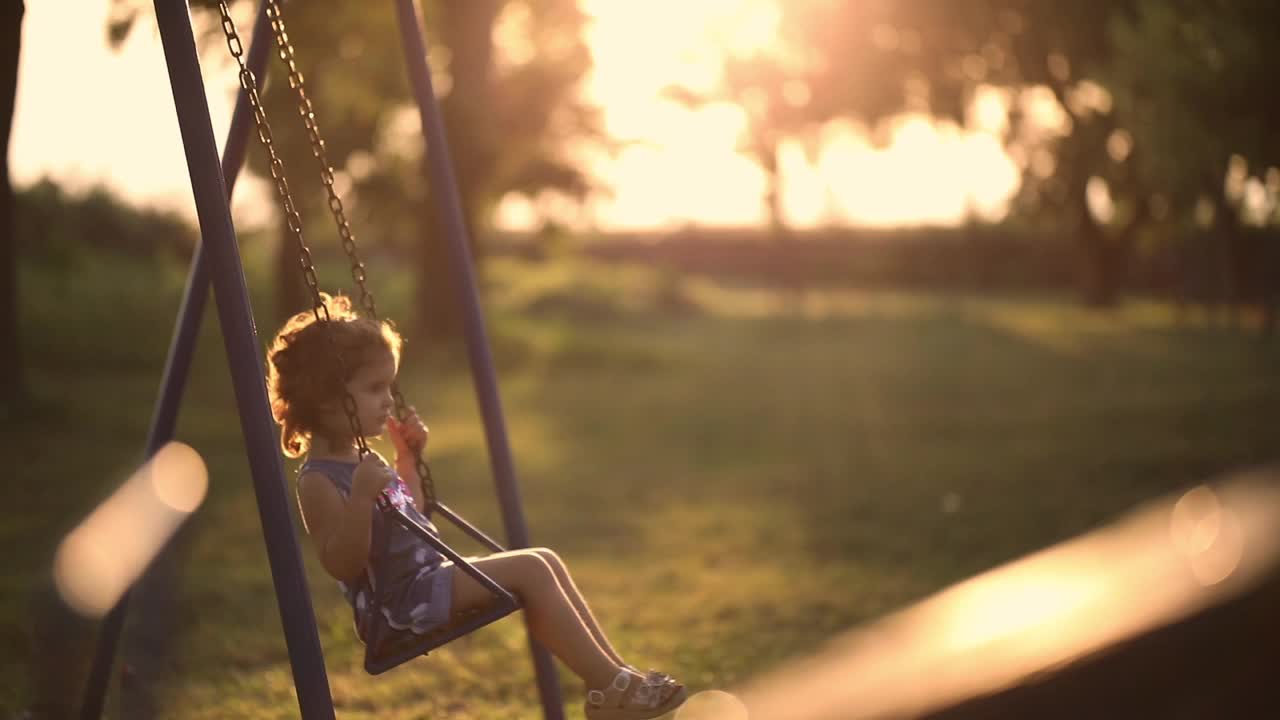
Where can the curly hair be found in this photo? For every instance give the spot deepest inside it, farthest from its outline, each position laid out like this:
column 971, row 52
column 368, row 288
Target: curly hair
column 302, row 374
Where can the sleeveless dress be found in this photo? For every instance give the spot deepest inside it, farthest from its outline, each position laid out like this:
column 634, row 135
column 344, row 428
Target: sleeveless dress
column 417, row 580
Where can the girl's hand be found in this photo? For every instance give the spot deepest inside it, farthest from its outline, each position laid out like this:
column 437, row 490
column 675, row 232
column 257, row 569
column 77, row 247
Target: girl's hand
column 371, row 477
column 408, row 437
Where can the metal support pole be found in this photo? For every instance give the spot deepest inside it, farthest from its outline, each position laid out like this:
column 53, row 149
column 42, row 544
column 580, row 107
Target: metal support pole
column 178, row 363
column 445, row 193
column 243, row 356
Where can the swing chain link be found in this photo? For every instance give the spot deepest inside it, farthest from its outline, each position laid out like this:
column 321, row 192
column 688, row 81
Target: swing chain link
column 284, row 50
column 426, row 482
column 292, row 219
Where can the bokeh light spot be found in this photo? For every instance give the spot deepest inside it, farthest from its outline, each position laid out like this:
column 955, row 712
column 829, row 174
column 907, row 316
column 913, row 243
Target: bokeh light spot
column 107, row 552
column 179, row 477
column 1207, row 534
column 712, row 705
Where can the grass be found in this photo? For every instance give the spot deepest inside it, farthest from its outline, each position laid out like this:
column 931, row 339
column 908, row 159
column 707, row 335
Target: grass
column 732, row 473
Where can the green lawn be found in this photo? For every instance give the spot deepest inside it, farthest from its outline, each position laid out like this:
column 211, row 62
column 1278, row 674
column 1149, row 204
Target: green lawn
column 732, row 473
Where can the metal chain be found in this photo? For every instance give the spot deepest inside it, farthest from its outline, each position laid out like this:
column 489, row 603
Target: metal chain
column 284, row 50
column 292, row 219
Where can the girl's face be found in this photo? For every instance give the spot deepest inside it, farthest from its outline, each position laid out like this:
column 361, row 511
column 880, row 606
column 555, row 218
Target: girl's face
column 371, row 388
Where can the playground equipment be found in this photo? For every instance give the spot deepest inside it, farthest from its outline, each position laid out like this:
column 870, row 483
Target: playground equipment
column 217, row 263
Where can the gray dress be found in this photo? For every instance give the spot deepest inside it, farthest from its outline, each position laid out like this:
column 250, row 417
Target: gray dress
column 417, row 581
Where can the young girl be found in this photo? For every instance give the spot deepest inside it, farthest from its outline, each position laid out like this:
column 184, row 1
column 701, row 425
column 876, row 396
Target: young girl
column 337, row 492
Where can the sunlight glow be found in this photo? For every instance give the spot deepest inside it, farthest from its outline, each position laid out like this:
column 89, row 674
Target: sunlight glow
column 86, row 115
column 687, row 165
column 104, row 555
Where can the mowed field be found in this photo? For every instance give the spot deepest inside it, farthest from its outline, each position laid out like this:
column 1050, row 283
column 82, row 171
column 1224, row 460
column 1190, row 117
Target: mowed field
column 733, row 473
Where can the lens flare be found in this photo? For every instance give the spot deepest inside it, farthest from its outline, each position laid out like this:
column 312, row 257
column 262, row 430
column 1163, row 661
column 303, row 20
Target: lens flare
column 1208, row 535
column 107, row 552
column 179, row 478
column 1007, row 627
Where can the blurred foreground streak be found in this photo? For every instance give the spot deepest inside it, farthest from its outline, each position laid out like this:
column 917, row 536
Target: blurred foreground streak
column 1172, row 611
column 100, row 560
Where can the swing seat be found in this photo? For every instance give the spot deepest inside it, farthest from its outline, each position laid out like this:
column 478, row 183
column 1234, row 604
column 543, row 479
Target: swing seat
column 387, row 646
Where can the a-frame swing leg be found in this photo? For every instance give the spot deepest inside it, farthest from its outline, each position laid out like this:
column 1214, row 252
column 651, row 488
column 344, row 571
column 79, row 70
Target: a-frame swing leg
column 164, row 416
column 444, row 192
column 243, row 357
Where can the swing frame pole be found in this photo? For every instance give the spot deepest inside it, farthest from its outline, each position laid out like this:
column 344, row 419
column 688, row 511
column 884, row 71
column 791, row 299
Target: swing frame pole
column 241, row 343
column 217, row 262
column 164, row 416
column 444, row 192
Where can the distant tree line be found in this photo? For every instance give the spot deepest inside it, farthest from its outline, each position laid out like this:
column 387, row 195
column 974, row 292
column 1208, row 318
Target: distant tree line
column 56, row 227
column 1191, row 270
column 1167, row 111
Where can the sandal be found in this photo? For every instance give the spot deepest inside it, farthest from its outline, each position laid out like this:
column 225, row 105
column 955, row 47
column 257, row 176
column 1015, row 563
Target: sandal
column 657, row 695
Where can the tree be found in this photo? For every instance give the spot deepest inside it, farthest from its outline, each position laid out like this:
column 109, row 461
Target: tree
column 11, row 373
column 509, row 117
column 869, row 60
column 873, row 59
column 1192, row 80
column 506, row 121
column 1158, row 97
column 1021, row 45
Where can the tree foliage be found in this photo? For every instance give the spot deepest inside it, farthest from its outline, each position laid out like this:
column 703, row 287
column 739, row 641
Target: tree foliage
column 508, row 119
column 1156, row 98
column 1192, row 84
column 56, row 226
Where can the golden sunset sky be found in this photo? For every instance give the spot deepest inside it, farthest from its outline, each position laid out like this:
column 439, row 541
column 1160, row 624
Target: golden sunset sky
column 86, row 115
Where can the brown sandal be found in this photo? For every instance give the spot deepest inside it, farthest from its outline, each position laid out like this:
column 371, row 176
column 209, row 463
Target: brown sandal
column 657, row 695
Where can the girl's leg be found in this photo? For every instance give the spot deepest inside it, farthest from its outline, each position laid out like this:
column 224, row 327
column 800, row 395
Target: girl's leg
column 579, row 602
column 552, row 618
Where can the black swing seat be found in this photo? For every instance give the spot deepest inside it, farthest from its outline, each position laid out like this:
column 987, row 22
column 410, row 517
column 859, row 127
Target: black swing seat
column 400, row 646
column 387, row 647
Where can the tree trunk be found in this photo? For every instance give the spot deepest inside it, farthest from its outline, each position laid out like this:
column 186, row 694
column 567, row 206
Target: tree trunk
column 439, row 311
column 12, row 386
column 1103, row 257
column 468, row 107
column 1269, row 283
column 468, row 29
column 291, row 295
column 791, row 270
column 1102, row 260
column 1228, row 228
column 767, row 153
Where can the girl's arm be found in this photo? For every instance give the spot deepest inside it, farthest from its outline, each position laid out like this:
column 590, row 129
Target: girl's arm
column 408, row 438
column 340, row 528
column 407, row 467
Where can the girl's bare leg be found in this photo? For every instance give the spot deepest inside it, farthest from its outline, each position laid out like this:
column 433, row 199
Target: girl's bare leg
column 551, row 616
column 579, row 602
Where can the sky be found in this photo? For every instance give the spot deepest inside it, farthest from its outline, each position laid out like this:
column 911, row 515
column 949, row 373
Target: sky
column 86, row 115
